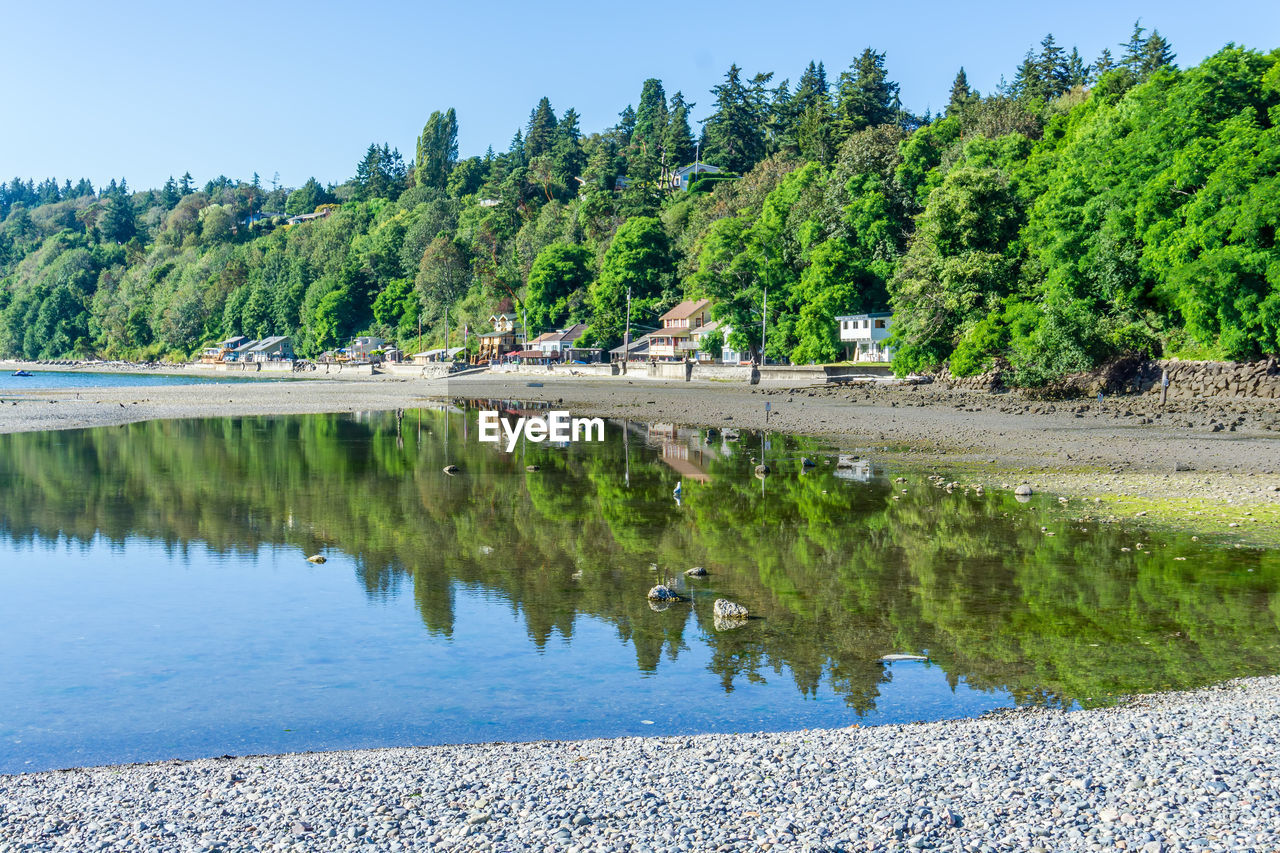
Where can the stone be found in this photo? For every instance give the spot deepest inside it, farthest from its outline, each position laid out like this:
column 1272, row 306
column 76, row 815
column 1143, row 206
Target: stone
column 317, row 559
column 1023, row 491
column 451, row 469
column 661, row 593
column 726, row 609
column 696, row 572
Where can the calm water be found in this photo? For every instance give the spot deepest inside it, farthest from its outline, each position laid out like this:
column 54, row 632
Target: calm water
column 45, row 380
column 155, row 600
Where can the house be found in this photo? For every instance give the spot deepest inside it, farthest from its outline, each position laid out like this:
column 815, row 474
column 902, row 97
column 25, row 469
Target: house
column 864, row 336
column 674, row 339
column 559, row 343
column 307, row 217
column 433, row 356
column 698, row 335
column 638, row 349
column 277, row 348
column 361, row 348
column 504, row 338
column 220, row 352
column 240, row 353
column 681, row 178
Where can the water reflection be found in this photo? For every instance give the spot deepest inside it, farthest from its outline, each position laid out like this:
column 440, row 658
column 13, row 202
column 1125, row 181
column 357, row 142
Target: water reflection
column 842, row 563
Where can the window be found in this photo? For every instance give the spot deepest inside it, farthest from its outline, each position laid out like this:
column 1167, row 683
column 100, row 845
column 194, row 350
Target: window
column 879, row 324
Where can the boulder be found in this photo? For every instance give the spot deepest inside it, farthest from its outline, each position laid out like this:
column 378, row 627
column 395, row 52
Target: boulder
column 661, row 593
column 317, row 559
column 451, row 469
column 696, row 572
column 1024, row 491
column 726, row 609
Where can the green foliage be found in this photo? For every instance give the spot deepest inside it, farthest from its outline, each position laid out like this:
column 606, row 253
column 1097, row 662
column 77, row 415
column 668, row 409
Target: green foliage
column 638, row 262
column 558, row 280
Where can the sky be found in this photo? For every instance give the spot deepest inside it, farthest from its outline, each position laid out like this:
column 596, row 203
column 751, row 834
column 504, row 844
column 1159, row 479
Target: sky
column 144, row 90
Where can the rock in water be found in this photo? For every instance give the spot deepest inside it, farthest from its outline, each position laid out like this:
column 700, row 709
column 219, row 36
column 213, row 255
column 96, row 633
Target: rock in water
column 661, row 593
column 696, row 572
column 532, row 468
column 806, row 462
column 451, row 469
column 317, row 558
column 763, row 471
column 726, row 609
column 1023, row 491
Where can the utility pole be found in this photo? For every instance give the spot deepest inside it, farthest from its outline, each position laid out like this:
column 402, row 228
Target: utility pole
column 764, row 324
column 419, row 332
column 626, row 335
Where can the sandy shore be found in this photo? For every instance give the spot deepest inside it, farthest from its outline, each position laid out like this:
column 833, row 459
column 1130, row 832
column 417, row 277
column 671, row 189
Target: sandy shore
column 1189, row 771
column 1216, row 464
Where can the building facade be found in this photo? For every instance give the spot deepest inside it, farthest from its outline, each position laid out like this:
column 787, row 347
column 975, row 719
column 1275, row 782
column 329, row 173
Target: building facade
column 864, row 336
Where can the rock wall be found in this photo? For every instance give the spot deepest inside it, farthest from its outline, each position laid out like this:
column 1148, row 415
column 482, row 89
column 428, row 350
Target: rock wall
column 992, row 380
column 1189, row 380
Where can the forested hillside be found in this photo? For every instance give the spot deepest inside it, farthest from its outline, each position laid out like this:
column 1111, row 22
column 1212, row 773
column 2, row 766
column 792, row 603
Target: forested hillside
column 1082, row 211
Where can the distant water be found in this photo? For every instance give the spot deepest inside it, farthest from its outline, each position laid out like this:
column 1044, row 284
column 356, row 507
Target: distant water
column 156, row 601
column 52, row 380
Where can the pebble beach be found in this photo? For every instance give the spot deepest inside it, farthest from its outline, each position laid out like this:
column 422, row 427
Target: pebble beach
column 1178, row 771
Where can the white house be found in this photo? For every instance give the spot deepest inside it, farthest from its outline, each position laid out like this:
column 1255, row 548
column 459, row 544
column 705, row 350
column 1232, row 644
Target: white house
column 864, row 336
column 681, row 178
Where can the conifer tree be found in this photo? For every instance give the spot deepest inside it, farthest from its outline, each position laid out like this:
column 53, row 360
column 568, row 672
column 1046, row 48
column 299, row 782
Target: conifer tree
column 437, row 149
column 960, row 93
column 540, row 135
column 680, row 145
column 865, row 96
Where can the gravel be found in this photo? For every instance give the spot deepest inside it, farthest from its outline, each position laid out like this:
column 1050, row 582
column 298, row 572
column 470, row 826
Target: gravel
column 1191, row 771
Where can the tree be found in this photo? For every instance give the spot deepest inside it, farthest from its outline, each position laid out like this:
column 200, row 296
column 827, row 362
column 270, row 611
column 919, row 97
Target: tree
column 1054, row 72
column 306, row 198
column 865, row 96
column 1157, row 53
column 734, row 131
column 381, row 174
column 560, row 273
column 443, row 276
column 118, row 223
column 679, row 139
column 960, row 93
column 540, row 135
column 638, row 261
column 185, row 184
column 437, row 150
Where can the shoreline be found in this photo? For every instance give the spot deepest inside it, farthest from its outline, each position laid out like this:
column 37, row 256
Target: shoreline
column 1171, row 771
column 1210, row 465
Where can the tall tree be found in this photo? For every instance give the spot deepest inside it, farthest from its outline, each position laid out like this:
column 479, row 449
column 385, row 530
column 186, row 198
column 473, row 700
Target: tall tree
column 960, row 93
column 865, row 96
column 540, row 134
column 734, row 131
column 679, row 142
column 437, row 149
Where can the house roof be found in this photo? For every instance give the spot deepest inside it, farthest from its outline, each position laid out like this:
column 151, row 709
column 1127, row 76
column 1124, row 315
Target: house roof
column 640, row 344
column 506, row 315
column 571, row 334
column 233, row 342
column 246, row 346
column 685, row 309
column 872, row 316
column 697, row 169
column 546, row 337
column 268, row 343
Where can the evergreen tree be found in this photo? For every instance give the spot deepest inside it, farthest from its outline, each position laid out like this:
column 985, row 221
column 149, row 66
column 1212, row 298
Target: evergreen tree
column 567, row 158
column 1029, row 82
column 118, row 223
column 1104, row 63
column 679, row 142
column 1135, row 50
column 734, row 131
column 1157, row 53
column 1077, row 72
column 540, row 135
column 626, row 125
column 865, row 96
column 169, row 196
column 1054, row 72
column 960, row 93
column 185, row 185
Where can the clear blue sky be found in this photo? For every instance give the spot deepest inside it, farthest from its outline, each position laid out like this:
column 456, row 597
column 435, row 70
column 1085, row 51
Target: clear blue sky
column 148, row 89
